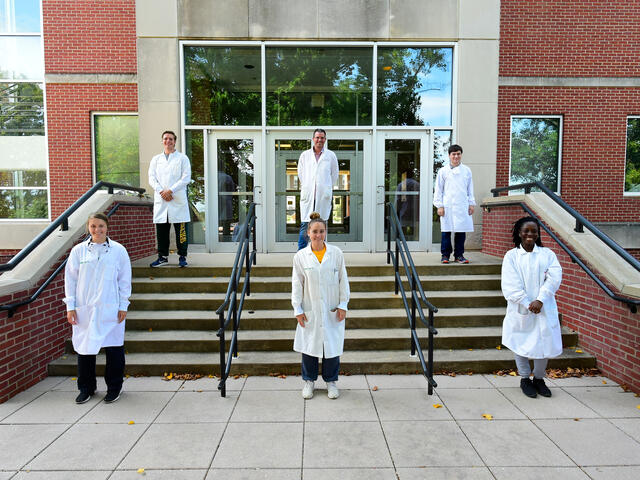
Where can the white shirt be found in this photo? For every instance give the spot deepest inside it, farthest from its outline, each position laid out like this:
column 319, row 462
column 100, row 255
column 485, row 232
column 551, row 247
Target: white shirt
column 316, row 182
column 454, row 192
column 173, row 173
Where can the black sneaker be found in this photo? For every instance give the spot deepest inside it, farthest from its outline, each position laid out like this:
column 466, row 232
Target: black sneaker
column 462, row 260
column 83, row 397
column 182, row 261
column 111, row 397
column 160, row 261
column 527, row 388
column 541, row 388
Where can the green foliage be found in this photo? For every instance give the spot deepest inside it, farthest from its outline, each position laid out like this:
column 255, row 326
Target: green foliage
column 632, row 169
column 21, row 109
column 116, row 148
column 23, row 204
column 534, row 151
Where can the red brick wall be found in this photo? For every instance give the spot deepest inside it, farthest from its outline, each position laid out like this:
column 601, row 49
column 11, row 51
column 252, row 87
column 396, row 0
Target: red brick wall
column 69, row 108
column 593, row 144
column 7, row 254
column 606, row 328
column 89, row 36
column 567, row 38
column 35, row 335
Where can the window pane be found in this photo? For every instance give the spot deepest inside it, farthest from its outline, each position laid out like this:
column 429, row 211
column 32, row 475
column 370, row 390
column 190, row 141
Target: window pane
column 414, row 86
column 535, row 144
column 23, row 204
column 632, row 171
column 116, row 149
column 222, row 85
column 441, row 144
column 23, row 178
column 19, row 16
column 194, row 149
column 21, row 109
column 319, row 86
column 402, row 183
column 21, row 58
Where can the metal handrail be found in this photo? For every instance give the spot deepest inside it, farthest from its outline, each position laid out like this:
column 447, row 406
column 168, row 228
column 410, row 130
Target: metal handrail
column 402, row 250
column 12, row 307
column 63, row 221
column 234, row 312
column 631, row 303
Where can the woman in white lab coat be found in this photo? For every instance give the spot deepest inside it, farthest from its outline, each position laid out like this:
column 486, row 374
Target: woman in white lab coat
column 319, row 295
column 97, row 286
column 531, row 275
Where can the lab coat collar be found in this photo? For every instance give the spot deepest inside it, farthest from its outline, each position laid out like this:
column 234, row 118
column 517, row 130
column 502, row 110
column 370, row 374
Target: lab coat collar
column 308, row 250
column 522, row 251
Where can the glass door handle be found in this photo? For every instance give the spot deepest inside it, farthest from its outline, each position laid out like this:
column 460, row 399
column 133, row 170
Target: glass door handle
column 257, row 194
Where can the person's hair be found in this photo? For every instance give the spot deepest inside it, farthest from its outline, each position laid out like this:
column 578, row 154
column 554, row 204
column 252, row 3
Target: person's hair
column 519, row 224
column 175, row 137
column 455, row 148
column 316, row 218
column 99, row 216
column 319, row 130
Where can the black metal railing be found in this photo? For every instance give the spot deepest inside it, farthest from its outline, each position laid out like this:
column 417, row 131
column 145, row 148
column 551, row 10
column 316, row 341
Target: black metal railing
column 581, row 222
column 232, row 306
column 418, row 297
column 63, row 222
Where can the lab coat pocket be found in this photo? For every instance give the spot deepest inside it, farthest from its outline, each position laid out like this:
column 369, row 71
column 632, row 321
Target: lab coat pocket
column 521, row 322
column 83, row 315
column 305, row 193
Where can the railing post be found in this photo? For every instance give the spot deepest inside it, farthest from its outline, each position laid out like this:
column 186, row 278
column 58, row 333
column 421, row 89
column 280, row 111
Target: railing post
column 234, row 301
column 430, row 354
column 413, row 315
column 222, row 386
column 248, row 259
column 65, row 224
column 579, row 226
column 387, row 223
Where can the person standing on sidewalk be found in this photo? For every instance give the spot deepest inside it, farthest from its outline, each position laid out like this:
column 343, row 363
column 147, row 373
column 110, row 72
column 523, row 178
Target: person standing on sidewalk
column 317, row 172
column 169, row 175
column 453, row 197
column 97, row 286
column 319, row 296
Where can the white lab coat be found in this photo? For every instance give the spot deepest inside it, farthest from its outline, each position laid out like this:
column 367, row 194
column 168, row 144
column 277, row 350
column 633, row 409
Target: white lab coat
column 174, row 174
column 316, row 182
column 454, row 192
column 316, row 289
column 527, row 277
column 97, row 284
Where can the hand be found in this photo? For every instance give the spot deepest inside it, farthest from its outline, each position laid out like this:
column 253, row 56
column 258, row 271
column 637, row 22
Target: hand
column 302, row 318
column 122, row 314
column 72, row 318
column 342, row 314
column 441, row 211
column 471, row 209
column 535, row 306
column 166, row 194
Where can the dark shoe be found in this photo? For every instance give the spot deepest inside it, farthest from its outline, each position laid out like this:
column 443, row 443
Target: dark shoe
column 444, row 259
column 462, row 260
column 83, row 397
column 111, row 397
column 541, row 388
column 527, row 387
column 182, row 261
column 160, row 261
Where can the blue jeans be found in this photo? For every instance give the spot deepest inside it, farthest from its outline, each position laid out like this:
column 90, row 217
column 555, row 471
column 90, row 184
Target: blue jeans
column 303, row 239
column 445, row 246
column 330, row 368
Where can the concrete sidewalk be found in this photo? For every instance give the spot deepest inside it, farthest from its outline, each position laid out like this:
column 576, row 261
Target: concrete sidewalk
column 381, row 427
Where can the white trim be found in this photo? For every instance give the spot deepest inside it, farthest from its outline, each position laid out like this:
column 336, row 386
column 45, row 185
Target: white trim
column 93, row 137
column 626, row 144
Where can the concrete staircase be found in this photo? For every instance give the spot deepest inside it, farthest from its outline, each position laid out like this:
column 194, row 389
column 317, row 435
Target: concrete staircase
column 171, row 326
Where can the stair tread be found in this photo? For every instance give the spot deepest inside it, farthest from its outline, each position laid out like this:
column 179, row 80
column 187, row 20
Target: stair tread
column 371, row 278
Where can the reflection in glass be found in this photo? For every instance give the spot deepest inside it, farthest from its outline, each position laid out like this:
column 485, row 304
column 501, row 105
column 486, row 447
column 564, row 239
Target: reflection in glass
column 632, row 170
column 116, row 149
column 23, row 203
column 20, row 16
column 319, row 86
column 21, row 109
column 235, row 186
column 441, row 144
column 222, row 85
column 535, row 147
column 21, row 58
column 402, row 183
column 194, row 149
column 414, row 86
column 23, row 178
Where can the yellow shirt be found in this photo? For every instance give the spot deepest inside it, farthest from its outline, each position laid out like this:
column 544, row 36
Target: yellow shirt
column 320, row 253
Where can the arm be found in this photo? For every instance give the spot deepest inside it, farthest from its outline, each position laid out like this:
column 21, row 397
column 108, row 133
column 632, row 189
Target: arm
column 552, row 278
column 470, row 197
column 124, row 284
column 511, row 282
column 438, row 193
column 344, row 289
column 334, row 169
column 153, row 179
column 301, row 170
column 297, row 290
column 185, row 178
column 70, row 286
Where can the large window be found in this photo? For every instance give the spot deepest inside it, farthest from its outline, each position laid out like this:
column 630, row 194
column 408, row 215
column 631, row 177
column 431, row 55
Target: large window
column 632, row 169
column 115, row 148
column 23, row 164
column 536, row 150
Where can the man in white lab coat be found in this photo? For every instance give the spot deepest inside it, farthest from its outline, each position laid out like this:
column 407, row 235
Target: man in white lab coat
column 169, row 175
column 317, row 171
column 453, row 197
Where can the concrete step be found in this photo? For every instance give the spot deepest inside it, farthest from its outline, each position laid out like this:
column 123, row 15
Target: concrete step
column 283, row 284
column 354, row 362
column 279, row 301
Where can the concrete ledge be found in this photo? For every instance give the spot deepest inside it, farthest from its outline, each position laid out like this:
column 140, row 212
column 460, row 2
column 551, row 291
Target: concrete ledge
column 605, row 261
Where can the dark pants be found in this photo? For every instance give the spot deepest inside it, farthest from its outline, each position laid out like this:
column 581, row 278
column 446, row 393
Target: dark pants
column 330, row 368
column 162, row 234
column 303, row 239
column 113, row 372
column 445, row 246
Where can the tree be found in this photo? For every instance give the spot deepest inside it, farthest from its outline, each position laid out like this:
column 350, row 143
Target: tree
column 534, row 151
column 632, row 169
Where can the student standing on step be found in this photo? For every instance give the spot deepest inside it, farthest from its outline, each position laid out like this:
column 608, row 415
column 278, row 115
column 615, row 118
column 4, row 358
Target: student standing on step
column 97, row 286
column 319, row 295
column 169, row 175
column 453, row 197
column 531, row 275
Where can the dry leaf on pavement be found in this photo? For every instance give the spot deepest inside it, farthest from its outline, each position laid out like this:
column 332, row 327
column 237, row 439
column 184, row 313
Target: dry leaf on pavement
column 487, row 416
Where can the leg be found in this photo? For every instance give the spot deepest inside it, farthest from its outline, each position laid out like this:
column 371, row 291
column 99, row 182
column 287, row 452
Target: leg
column 87, row 373
column 459, row 239
column 303, row 239
column 114, row 371
column 540, row 367
column 524, row 368
column 181, row 238
column 162, row 235
column 309, row 367
column 445, row 244
column 330, row 369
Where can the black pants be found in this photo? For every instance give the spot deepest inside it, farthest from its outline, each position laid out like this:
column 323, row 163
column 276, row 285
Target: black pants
column 113, row 372
column 445, row 246
column 162, row 234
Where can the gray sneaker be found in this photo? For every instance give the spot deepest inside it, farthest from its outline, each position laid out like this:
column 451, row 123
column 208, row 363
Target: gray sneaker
column 307, row 390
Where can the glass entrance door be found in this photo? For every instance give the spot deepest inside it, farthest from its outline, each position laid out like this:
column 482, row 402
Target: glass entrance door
column 404, row 180
column 347, row 223
column 232, row 184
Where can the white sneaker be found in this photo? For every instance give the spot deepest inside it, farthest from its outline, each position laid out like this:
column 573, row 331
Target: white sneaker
column 307, row 390
column 332, row 390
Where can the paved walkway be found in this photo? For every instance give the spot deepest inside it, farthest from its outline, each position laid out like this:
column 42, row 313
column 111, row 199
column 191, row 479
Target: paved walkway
column 382, row 427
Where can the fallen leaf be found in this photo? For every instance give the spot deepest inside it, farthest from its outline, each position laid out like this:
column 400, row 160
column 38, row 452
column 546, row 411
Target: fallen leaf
column 578, row 351
column 513, row 374
column 131, row 422
column 199, row 391
column 437, row 405
column 151, row 329
column 375, row 388
column 470, row 349
column 210, row 376
column 151, row 278
column 74, row 378
column 604, row 382
column 141, row 470
column 576, row 419
column 499, row 347
column 637, row 406
column 487, row 416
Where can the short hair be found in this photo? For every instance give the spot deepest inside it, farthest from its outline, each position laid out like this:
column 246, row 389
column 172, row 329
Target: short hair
column 455, row 148
column 515, row 232
column 316, row 218
column 175, row 137
column 319, row 130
